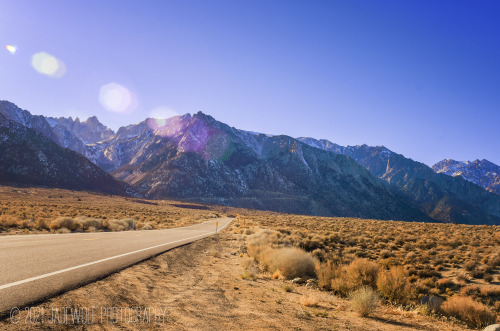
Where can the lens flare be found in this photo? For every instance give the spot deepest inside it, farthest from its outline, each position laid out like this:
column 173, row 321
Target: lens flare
column 209, row 142
column 48, row 65
column 158, row 118
column 11, row 49
column 117, row 98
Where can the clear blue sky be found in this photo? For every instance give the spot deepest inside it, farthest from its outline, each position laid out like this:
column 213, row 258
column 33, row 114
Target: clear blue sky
column 419, row 77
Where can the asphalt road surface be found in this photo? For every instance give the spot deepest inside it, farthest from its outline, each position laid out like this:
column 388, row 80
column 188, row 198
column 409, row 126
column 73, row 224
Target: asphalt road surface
column 36, row 267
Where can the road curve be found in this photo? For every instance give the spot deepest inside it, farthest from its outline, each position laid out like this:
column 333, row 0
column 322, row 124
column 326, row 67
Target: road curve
column 36, row 267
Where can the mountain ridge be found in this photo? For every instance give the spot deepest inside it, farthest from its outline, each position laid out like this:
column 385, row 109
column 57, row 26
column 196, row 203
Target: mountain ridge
column 442, row 197
column 195, row 157
column 29, row 156
column 480, row 172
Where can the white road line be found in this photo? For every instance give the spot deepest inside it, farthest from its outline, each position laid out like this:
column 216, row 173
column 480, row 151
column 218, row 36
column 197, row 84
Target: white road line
column 2, row 287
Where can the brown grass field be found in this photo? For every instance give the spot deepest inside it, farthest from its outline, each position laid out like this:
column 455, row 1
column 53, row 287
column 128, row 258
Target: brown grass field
column 354, row 273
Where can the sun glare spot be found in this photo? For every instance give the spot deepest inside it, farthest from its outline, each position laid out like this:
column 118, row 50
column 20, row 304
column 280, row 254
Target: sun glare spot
column 158, row 119
column 117, row 98
column 48, row 65
column 11, row 49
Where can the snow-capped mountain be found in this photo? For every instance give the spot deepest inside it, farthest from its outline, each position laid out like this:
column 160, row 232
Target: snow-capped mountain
column 441, row 197
column 195, row 157
column 90, row 131
column 481, row 172
column 198, row 158
column 31, row 155
column 26, row 119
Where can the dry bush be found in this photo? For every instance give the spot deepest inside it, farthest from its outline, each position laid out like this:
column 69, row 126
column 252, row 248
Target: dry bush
column 361, row 272
column 64, row 223
column 470, row 291
column 445, row 283
column 470, row 265
column 473, row 313
column 364, row 301
column 118, row 225
column 89, row 224
column 326, row 272
column 291, row 262
column 146, row 226
column 393, row 285
column 8, row 221
column 42, row 224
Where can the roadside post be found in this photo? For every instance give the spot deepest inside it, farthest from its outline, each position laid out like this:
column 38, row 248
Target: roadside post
column 133, row 223
column 216, row 227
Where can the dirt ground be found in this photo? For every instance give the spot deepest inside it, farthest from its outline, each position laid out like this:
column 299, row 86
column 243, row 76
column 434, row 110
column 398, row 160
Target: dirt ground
column 199, row 287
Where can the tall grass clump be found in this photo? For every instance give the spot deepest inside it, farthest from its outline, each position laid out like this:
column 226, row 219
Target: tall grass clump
column 290, row 262
column 473, row 313
column 364, row 301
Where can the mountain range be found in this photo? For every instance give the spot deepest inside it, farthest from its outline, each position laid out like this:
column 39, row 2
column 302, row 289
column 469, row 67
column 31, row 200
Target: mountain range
column 442, row 197
column 195, row 157
column 31, row 154
column 481, row 172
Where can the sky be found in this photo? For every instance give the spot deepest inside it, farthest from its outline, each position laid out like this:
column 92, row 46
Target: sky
column 419, row 77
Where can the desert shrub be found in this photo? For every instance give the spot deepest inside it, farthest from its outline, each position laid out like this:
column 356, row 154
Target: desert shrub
column 42, row 224
column 428, row 273
column 311, row 244
column 118, row 225
column 319, row 254
column 385, row 253
column 326, row 272
column 291, row 262
column 470, row 291
column 364, row 301
column 146, row 226
column 393, row 285
column 478, row 272
column 445, row 283
column 361, row 272
column 88, row 224
column 8, row 221
column 462, row 276
column 488, row 278
column 473, row 313
column 64, row 222
column 470, row 265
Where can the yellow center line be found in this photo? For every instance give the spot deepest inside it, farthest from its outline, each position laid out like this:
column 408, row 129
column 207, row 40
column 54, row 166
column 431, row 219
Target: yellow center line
column 91, row 239
column 138, row 235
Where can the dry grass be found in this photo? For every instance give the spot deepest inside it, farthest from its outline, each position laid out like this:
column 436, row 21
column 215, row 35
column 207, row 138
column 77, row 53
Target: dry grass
column 403, row 263
column 346, row 253
column 309, row 300
column 40, row 210
column 201, row 292
column 364, row 301
column 474, row 313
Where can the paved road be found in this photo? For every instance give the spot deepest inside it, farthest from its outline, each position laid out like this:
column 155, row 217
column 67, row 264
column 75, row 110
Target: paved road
column 35, row 267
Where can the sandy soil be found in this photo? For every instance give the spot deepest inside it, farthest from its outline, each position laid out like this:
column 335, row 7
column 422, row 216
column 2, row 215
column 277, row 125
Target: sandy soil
column 199, row 287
